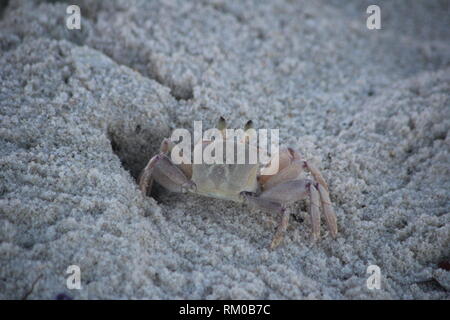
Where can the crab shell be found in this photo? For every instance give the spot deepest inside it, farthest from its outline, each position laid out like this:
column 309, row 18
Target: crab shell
column 226, row 181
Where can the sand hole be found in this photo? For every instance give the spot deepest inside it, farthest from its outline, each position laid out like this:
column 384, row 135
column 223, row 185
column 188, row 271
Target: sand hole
column 134, row 144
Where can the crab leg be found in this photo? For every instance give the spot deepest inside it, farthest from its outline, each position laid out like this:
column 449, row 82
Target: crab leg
column 281, row 229
column 294, row 190
column 322, row 187
column 285, row 158
column 273, row 206
column 330, row 216
column 315, row 173
column 283, row 194
column 314, row 211
column 291, row 172
column 259, row 203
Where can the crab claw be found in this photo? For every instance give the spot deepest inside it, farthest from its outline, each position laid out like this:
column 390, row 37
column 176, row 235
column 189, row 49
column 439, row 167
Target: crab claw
column 245, row 195
column 189, row 186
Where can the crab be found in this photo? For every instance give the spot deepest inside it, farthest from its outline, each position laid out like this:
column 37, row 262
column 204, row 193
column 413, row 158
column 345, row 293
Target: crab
column 246, row 183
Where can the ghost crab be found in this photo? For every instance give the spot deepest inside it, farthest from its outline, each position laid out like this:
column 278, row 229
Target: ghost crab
column 246, row 183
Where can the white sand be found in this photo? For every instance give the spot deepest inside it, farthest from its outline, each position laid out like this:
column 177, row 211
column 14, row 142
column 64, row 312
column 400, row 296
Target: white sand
column 81, row 112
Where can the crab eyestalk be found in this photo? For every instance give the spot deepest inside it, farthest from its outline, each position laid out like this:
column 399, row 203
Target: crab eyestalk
column 248, row 125
column 222, row 126
column 250, row 132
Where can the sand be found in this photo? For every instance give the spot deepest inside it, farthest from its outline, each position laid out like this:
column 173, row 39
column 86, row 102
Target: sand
column 82, row 111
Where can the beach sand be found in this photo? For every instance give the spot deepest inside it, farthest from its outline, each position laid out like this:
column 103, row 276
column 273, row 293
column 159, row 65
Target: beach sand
column 82, row 111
